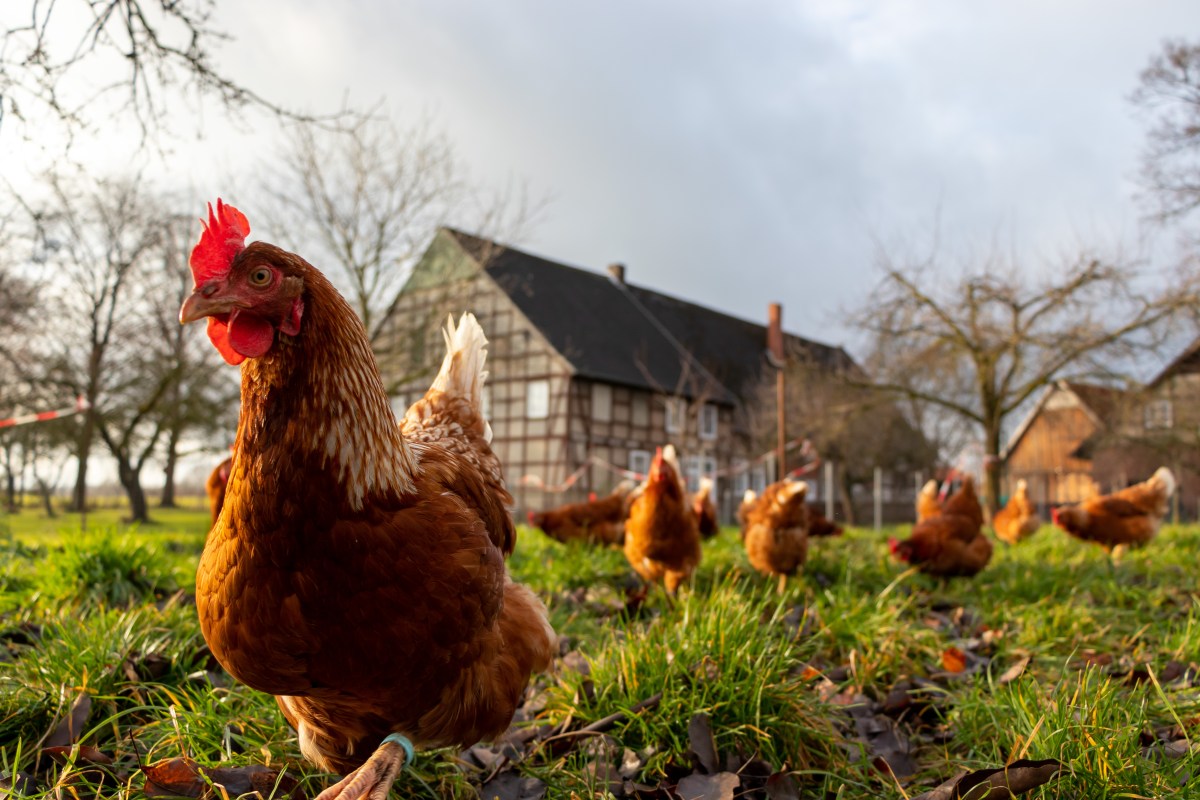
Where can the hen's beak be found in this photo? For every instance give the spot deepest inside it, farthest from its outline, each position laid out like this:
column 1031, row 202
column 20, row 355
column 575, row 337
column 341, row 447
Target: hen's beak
column 205, row 301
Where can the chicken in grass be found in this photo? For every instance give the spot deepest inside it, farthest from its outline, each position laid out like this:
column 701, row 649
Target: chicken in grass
column 1018, row 519
column 1128, row 518
column 749, row 498
column 214, row 487
column 819, row 525
column 928, row 502
column 776, row 532
column 356, row 571
column 600, row 521
column 705, row 509
column 950, row 543
column 662, row 540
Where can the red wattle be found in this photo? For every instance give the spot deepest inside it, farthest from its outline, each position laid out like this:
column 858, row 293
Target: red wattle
column 250, row 335
column 218, row 333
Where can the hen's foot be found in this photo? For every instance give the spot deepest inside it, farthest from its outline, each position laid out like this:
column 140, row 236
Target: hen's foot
column 374, row 779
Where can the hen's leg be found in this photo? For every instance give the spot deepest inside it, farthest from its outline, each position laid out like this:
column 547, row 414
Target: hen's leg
column 374, row 779
column 782, row 587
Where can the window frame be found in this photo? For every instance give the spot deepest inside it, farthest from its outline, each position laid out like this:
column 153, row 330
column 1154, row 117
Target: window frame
column 674, row 415
column 530, row 386
column 707, row 412
column 1158, row 415
column 640, row 457
column 598, row 391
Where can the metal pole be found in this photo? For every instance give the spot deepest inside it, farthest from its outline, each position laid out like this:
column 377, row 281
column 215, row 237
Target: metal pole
column 878, row 498
column 829, row 490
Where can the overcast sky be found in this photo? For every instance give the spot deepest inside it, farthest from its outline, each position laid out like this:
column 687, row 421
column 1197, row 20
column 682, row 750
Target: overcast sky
column 738, row 153
column 741, row 152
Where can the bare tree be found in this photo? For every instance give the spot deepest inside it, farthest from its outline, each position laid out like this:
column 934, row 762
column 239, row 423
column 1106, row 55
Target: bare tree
column 1170, row 91
column 151, row 48
column 362, row 203
column 854, row 425
column 93, row 245
column 981, row 345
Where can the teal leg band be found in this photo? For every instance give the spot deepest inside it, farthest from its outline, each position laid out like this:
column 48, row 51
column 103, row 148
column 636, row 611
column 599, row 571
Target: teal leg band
column 404, row 743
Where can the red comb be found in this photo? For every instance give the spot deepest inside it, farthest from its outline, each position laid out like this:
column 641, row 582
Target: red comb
column 223, row 238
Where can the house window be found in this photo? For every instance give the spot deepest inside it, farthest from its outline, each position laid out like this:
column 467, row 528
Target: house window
column 691, row 472
column 708, row 422
column 639, row 410
column 674, row 417
column 639, row 462
column 602, row 402
column 537, row 399
column 1158, row 414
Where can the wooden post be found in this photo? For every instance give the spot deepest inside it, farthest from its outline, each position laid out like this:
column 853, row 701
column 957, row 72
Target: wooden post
column 878, row 498
column 775, row 347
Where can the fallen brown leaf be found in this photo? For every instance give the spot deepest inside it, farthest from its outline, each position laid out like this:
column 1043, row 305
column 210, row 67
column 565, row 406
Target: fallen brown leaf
column 511, row 786
column 707, row 787
column 70, row 728
column 183, row 777
column 1014, row 672
column 996, row 784
column 702, row 743
column 83, row 755
column 954, row 660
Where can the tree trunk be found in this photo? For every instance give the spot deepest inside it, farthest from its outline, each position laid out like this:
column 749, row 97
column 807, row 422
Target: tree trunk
column 46, row 493
column 82, row 451
column 991, row 473
column 167, row 500
column 131, row 481
column 10, row 492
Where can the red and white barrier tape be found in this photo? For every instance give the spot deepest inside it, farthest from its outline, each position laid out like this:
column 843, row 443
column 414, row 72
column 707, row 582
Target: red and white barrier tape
column 805, row 445
column 80, row 406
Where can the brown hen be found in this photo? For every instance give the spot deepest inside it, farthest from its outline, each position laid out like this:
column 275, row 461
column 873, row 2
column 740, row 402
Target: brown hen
column 950, row 543
column 600, row 521
column 357, row 573
column 1128, row 518
column 662, row 540
column 1018, row 519
column 776, row 530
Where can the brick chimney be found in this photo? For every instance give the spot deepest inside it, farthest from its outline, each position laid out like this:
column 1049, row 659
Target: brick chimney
column 775, row 332
column 616, row 273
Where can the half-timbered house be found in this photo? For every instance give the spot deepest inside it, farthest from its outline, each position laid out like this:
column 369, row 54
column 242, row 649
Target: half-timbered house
column 588, row 373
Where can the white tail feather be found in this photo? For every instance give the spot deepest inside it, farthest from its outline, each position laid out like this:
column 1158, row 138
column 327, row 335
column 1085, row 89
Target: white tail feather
column 1167, row 477
column 462, row 373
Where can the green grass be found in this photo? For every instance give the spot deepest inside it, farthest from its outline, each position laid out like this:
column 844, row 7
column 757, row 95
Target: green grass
column 95, row 613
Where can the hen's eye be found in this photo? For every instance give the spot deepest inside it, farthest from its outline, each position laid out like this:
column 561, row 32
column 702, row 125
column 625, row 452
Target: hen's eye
column 260, row 276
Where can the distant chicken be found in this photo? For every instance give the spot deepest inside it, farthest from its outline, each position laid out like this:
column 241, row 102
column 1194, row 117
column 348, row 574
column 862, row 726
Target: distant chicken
column 749, row 497
column 950, row 543
column 705, row 509
column 819, row 525
column 1018, row 519
column 599, row 521
column 214, row 487
column 662, row 539
column 1128, row 518
column 928, row 503
column 776, row 532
